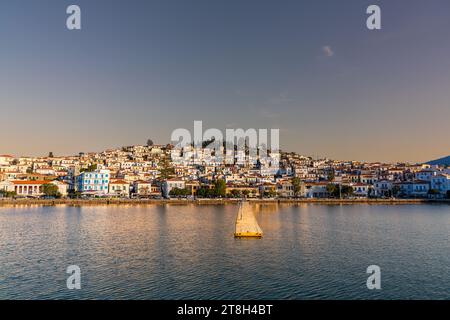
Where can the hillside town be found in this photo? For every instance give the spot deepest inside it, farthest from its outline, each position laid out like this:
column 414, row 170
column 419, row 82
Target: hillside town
column 156, row 171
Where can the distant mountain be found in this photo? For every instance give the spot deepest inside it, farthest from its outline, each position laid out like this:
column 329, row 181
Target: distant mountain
column 441, row 161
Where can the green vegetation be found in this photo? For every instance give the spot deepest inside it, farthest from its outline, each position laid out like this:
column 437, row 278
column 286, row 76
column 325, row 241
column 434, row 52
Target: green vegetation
column 218, row 191
column 269, row 194
column 205, row 192
column 344, row 192
column 8, row 194
column 220, row 188
column 51, row 190
column 177, row 192
column 90, row 168
column 396, row 191
column 235, row 193
column 166, row 170
column 74, row 194
column 297, row 184
column 331, row 175
column 433, row 193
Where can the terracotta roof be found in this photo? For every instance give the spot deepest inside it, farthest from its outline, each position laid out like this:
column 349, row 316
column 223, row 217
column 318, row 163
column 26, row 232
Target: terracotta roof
column 118, row 182
column 30, row 182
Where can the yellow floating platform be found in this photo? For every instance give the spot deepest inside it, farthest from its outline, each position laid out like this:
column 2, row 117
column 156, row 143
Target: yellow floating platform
column 246, row 224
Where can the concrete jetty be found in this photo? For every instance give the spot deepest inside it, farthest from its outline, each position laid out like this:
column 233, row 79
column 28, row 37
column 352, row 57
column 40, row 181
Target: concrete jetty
column 246, row 224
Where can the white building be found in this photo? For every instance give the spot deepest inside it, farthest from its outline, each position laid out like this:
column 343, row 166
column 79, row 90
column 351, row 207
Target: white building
column 119, row 188
column 93, row 182
column 382, row 188
column 425, row 175
column 142, row 188
column 32, row 188
column 170, row 184
column 441, row 183
column 418, row 188
column 360, row 189
column 316, row 190
column 5, row 159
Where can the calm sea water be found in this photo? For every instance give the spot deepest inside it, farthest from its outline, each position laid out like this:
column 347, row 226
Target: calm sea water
column 189, row 252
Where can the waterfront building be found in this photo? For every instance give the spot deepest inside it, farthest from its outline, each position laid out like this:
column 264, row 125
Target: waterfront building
column 193, row 187
column 360, row 189
column 93, row 181
column 119, row 188
column 172, row 183
column 285, row 189
column 142, row 188
column 425, row 175
column 417, row 188
column 316, row 190
column 31, row 188
column 441, row 183
column 382, row 188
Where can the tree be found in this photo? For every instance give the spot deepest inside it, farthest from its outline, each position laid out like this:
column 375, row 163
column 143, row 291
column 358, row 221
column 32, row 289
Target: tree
column 205, row 192
column 395, row 191
column 74, row 194
column 149, row 142
column 333, row 190
column 297, row 184
column 51, row 190
column 177, row 192
column 201, row 192
column 246, row 193
column 91, row 167
column 269, row 194
column 331, row 175
column 433, row 192
column 220, row 188
column 8, row 194
column 346, row 191
column 235, row 193
column 166, row 170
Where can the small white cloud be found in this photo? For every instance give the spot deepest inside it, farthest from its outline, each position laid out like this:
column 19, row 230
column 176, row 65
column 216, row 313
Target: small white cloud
column 328, row 51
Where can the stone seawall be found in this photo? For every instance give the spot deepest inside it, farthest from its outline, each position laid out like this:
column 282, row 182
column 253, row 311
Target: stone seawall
column 106, row 202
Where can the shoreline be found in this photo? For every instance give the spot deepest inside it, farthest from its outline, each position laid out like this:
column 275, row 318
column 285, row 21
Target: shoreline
column 144, row 202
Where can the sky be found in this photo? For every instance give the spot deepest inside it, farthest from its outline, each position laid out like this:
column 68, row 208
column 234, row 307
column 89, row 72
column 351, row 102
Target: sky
column 140, row 69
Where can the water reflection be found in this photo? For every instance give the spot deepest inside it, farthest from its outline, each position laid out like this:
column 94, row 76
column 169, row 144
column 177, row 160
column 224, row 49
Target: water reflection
column 179, row 252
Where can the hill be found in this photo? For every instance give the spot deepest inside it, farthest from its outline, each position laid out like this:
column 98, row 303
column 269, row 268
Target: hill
column 441, row 161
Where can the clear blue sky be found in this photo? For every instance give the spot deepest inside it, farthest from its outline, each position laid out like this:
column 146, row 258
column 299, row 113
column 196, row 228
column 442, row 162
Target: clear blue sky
column 140, row 69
